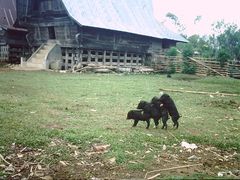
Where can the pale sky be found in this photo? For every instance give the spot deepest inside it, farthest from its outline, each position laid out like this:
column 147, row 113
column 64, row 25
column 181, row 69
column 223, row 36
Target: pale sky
column 187, row 10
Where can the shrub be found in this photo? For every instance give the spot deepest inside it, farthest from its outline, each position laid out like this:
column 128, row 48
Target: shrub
column 188, row 68
column 223, row 56
column 172, row 52
column 171, row 68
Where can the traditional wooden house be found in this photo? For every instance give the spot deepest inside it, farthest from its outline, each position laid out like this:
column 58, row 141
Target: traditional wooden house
column 12, row 40
column 107, row 32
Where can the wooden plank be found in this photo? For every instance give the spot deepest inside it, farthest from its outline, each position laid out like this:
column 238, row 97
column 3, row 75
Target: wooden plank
column 194, row 60
column 198, row 92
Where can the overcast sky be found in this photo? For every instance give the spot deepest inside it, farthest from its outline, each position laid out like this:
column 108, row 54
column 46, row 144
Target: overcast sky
column 187, row 10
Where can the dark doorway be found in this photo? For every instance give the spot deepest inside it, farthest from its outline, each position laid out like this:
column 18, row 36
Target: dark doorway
column 51, row 32
column 35, row 5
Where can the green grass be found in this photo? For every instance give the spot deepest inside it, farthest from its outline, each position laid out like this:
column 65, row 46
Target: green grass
column 84, row 109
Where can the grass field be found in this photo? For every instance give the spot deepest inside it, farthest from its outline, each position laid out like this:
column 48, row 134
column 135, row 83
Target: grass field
column 61, row 117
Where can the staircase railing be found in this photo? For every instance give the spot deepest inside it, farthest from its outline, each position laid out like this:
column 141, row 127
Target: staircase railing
column 35, row 52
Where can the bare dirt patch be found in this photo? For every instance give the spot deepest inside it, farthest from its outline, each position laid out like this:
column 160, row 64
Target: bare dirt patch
column 23, row 162
column 4, row 68
column 223, row 104
column 202, row 160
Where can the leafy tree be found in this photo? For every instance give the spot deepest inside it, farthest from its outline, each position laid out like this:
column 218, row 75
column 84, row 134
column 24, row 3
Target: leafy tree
column 223, row 45
column 173, row 17
column 201, row 45
column 187, row 51
column 180, row 27
column 194, row 40
column 197, row 19
column 219, row 26
column 213, row 45
column 229, row 40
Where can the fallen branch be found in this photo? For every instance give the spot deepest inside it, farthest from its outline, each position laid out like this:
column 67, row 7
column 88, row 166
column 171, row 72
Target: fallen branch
column 1, row 157
column 218, row 155
column 199, row 92
column 174, row 137
column 168, row 169
column 152, row 177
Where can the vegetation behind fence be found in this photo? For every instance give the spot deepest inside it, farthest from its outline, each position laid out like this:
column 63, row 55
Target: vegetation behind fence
column 196, row 65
